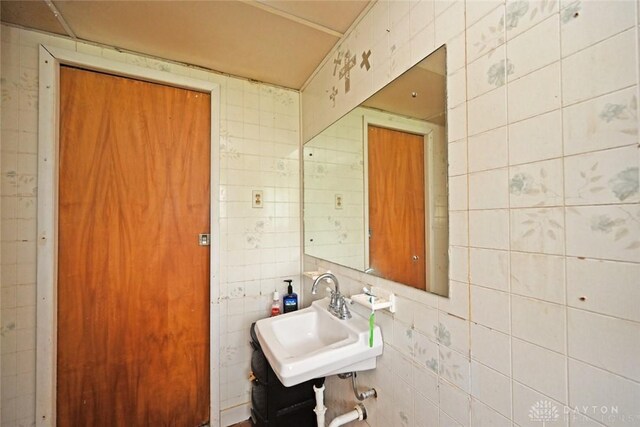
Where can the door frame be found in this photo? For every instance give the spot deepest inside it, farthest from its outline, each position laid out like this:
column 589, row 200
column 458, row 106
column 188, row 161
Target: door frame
column 408, row 126
column 50, row 59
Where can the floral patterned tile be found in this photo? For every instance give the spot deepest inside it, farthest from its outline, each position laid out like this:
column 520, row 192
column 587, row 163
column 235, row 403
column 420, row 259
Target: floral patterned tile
column 605, row 122
column 27, row 185
column 538, row 230
column 536, row 48
column 536, row 184
column 403, row 336
column 610, row 176
column 425, row 320
column 523, row 14
column 453, row 332
column 487, row 34
column 454, row 367
column 426, row 381
column 488, row 72
column 604, row 232
column 425, row 352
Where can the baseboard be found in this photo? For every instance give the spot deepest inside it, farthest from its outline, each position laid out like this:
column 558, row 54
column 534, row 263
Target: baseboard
column 234, row 415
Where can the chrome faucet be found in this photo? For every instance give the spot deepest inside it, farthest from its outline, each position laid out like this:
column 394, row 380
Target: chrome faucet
column 337, row 305
column 325, row 276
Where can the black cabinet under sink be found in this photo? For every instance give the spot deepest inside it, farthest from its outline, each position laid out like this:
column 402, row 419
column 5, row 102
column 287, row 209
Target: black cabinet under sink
column 273, row 404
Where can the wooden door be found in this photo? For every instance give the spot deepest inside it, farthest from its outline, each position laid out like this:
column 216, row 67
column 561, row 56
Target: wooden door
column 133, row 283
column 397, row 206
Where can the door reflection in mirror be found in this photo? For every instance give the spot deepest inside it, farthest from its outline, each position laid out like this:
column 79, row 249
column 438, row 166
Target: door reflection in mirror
column 386, row 164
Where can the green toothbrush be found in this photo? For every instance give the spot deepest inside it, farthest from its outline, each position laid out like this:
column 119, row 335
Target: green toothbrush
column 372, row 322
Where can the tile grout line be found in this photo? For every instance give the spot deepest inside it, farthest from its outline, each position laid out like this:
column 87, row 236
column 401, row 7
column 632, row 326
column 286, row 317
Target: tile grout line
column 509, row 228
column 564, row 224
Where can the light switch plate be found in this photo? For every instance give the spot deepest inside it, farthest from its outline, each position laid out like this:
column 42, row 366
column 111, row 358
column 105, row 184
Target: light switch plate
column 257, row 200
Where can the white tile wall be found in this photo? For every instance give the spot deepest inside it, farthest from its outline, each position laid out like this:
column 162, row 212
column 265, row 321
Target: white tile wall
column 545, row 217
column 610, row 68
column 259, row 247
column 540, row 369
column 488, row 150
column 537, row 138
column 602, row 391
column 489, row 268
column 489, row 228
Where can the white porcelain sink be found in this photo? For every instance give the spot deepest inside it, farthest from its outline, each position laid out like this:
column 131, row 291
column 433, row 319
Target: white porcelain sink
column 312, row 343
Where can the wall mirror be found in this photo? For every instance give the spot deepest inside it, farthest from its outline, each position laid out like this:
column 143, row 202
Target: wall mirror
column 375, row 183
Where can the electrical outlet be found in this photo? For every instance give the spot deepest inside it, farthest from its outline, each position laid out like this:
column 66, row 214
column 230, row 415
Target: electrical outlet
column 257, row 199
column 339, row 201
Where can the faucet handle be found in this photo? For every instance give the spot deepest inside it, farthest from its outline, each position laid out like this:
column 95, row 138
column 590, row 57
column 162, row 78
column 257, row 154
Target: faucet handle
column 333, row 302
column 343, row 311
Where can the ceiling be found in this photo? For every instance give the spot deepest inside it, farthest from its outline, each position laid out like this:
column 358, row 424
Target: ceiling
column 273, row 41
column 419, row 93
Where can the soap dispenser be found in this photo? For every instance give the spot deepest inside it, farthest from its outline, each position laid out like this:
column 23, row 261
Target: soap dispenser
column 275, row 306
column 290, row 300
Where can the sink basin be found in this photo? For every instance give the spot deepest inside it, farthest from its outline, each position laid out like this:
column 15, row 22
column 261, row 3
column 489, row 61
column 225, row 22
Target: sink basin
column 313, row 343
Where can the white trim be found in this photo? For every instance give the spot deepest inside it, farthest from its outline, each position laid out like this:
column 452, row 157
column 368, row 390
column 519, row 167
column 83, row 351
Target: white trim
column 429, row 208
column 60, row 19
column 48, row 123
column 46, row 248
column 291, row 17
column 235, row 414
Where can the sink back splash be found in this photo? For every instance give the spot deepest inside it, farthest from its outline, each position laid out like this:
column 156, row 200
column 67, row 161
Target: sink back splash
column 544, row 214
